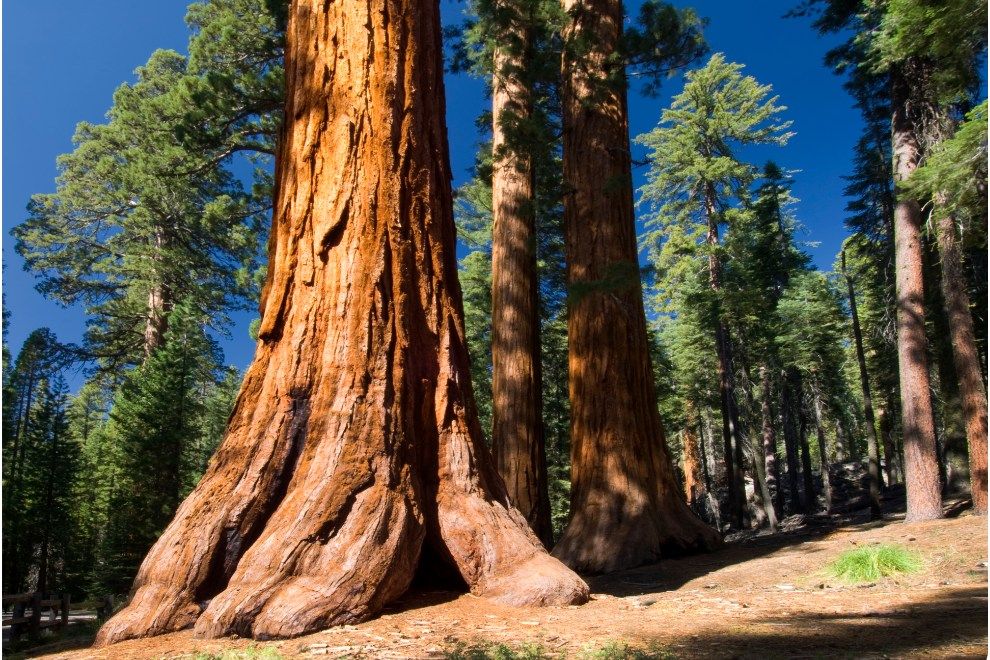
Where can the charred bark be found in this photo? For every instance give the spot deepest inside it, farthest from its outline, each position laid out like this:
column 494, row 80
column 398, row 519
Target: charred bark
column 354, row 448
column 517, row 424
column 626, row 505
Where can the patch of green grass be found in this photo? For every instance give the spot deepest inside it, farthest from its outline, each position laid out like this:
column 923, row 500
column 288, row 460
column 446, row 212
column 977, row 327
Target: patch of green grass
column 874, row 562
column 623, row 651
column 608, row 651
column 492, row 651
column 250, row 653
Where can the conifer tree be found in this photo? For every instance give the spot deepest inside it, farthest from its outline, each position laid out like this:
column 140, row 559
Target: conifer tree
column 694, row 181
column 140, row 221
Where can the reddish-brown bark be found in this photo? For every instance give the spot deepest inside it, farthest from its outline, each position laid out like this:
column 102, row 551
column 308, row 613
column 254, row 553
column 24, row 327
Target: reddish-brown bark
column 354, row 451
column 517, row 425
column 694, row 483
column 921, row 470
column 965, row 357
column 626, row 505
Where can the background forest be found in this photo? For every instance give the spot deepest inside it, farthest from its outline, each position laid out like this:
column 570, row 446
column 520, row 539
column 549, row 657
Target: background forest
column 779, row 384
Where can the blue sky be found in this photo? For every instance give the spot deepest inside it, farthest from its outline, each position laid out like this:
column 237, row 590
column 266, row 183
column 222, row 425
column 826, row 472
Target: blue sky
column 62, row 60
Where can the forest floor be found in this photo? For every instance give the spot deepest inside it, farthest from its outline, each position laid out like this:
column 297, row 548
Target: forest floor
column 757, row 597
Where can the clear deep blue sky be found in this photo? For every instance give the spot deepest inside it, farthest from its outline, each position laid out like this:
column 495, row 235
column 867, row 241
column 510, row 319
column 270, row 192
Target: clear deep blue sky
column 62, row 60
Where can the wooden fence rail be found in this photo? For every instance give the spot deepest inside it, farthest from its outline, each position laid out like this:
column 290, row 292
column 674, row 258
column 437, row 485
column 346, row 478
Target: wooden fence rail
column 21, row 622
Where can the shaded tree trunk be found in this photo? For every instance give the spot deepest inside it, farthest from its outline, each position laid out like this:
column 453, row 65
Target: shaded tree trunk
column 924, row 501
column 822, row 449
column 895, row 471
column 791, row 440
column 517, row 425
column 354, row 451
column 965, row 358
column 872, row 442
column 732, row 443
column 762, row 497
column 810, row 495
column 626, row 505
column 772, row 465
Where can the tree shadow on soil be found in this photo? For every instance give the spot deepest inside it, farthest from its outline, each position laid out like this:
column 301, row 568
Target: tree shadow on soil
column 674, row 572
column 953, row 618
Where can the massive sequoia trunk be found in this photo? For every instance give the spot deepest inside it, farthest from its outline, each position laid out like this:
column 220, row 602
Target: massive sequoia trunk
column 626, row 506
column 873, row 445
column 354, row 451
column 921, row 474
column 517, row 425
column 965, row 358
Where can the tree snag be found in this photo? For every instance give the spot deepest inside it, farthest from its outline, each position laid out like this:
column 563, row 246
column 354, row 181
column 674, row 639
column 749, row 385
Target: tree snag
column 626, row 505
column 517, row 420
column 354, row 448
column 921, row 470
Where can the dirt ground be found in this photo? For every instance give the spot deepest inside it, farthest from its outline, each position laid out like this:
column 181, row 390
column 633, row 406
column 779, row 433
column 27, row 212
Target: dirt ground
column 764, row 596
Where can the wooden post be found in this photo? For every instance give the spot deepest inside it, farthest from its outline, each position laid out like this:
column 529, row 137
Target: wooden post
column 17, row 628
column 65, row 610
column 35, row 612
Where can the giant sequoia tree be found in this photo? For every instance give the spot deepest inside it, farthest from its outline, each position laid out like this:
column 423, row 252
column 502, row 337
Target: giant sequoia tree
column 626, row 505
column 354, row 452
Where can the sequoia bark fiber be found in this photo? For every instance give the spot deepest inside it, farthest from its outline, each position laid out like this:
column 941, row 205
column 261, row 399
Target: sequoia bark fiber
column 354, row 447
column 626, row 505
column 517, row 424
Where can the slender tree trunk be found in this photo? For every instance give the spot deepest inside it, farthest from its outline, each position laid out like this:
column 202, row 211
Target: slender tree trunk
column 754, row 449
column 772, row 465
column 924, row 501
column 160, row 301
column 626, row 505
column 810, row 494
column 965, row 358
column 891, row 459
column 157, row 321
column 872, row 443
column 791, row 441
column 517, row 424
column 708, row 469
column 694, row 486
column 354, row 451
column 822, row 448
column 734, row 477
